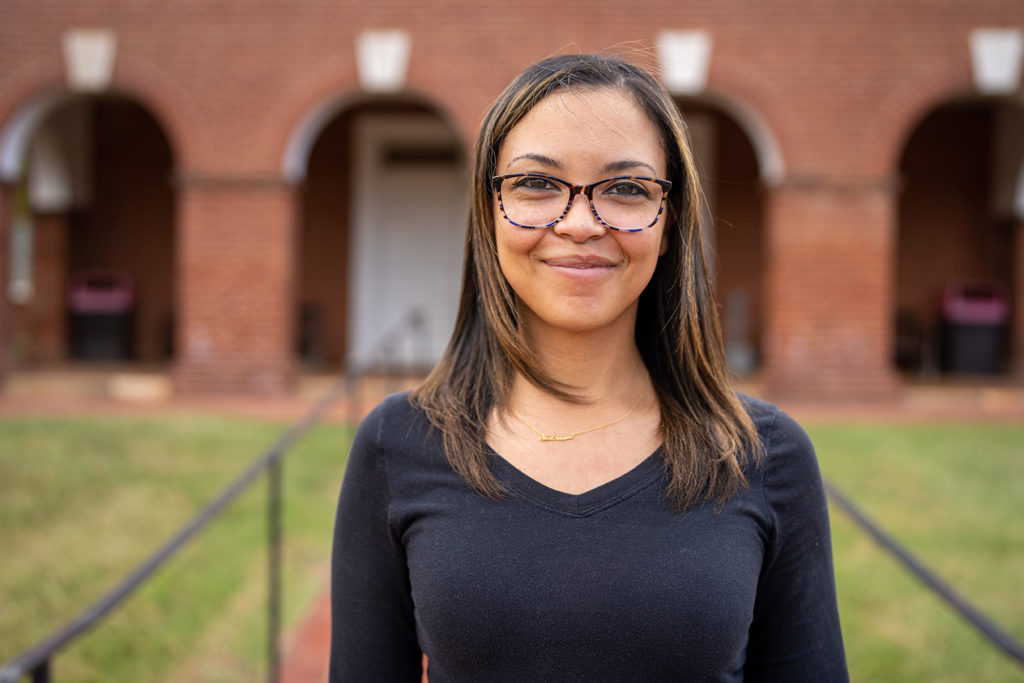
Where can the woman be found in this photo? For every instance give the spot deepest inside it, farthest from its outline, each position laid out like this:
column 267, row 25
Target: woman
column 576, row 493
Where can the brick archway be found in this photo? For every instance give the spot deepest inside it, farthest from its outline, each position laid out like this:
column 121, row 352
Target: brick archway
column 905, row 105
column 350, row 286
column 94, row 208
column 961, row 234
column 41, row 84
column 737, row 158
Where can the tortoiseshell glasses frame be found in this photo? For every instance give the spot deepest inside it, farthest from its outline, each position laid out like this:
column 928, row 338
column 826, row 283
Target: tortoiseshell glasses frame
column 585, row 190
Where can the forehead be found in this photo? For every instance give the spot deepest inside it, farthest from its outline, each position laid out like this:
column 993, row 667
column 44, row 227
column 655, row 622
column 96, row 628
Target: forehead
column 584, row 128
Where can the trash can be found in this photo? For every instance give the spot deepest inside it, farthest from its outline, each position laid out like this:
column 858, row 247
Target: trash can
column 975, row 316
column 100, row 312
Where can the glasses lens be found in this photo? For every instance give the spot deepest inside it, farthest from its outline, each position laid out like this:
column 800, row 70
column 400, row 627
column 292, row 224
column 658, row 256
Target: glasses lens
column 628, row 203
column 625, row 203
column 533, row 201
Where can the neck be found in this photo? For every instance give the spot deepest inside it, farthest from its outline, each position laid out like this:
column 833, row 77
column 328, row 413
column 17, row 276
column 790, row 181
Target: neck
column 594, row 365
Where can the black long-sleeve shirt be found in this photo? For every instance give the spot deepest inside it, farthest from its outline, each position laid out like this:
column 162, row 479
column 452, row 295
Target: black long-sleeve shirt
column 609, row 585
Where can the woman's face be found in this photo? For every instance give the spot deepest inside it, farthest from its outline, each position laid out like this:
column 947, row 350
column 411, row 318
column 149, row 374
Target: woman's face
column 580, row 276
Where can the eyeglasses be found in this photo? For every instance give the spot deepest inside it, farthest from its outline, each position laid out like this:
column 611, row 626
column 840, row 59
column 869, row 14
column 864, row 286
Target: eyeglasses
column 536, row 200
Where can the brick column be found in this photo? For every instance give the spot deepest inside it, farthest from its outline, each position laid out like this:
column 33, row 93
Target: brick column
column 235, row 282
column 830, row 290
column 6, row 211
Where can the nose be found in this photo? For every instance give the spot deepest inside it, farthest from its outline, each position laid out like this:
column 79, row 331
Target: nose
column 579, row 222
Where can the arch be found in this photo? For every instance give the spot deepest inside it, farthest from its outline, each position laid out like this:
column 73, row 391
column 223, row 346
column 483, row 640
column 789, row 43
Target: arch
column 306, row 131
column 171, row 106
column 907, row 103
column 768, row 119
column 21, row 127
column 67, row 152
column 135, row 78
column 26, row 121
column 770, row 160
column 300, row 142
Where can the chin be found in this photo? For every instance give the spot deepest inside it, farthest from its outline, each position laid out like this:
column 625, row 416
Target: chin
column 581, row 322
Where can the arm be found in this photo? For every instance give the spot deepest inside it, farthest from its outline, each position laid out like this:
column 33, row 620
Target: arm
column 373, row 632
column 795, row 635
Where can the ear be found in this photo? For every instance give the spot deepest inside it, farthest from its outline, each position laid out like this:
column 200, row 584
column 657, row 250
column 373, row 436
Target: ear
column 664, row 243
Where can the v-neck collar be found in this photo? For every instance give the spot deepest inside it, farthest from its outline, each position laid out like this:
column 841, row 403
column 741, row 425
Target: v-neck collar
column 583, row 504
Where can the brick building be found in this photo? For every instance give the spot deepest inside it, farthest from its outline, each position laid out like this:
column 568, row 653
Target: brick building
column 247, row 189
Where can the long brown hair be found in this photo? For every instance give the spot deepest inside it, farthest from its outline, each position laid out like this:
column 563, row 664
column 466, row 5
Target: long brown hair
column 707, row 435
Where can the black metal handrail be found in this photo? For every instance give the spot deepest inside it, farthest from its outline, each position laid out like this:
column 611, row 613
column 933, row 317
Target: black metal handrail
column 988, row 628
column 35, row 661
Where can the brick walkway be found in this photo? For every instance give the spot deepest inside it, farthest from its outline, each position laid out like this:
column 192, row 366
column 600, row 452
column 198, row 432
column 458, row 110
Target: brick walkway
column 306, row 648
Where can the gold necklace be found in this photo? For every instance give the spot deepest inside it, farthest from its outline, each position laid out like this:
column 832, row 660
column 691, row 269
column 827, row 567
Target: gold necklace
column 572, row 435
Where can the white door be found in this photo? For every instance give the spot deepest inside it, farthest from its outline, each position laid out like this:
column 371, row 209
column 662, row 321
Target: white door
column 409, row 227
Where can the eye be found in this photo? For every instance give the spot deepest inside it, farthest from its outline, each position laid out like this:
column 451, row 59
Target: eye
column 625, row 187
column 535, row 183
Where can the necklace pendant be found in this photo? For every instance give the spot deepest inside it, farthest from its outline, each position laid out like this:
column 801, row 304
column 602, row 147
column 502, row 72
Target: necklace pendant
column 557, row 437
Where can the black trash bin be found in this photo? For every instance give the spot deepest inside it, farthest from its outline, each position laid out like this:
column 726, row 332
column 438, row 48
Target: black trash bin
column 975, row 316
column 100, row 312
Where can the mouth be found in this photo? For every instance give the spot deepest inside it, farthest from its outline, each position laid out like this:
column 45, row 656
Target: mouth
column 581, row 269
column 579, row 262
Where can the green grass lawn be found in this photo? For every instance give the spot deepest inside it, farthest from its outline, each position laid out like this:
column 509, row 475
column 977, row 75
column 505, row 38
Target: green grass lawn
column 84, row 499
column 954, row 495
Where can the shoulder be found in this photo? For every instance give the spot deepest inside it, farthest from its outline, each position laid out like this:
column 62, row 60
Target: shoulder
column 395, row 431
column 390, row 423
column 777, row 430
column 789, row 461
column 396, row 414
column 394, row 406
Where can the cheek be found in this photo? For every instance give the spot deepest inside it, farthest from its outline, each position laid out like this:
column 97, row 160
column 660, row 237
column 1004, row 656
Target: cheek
column 514, row 245
column 644, row 255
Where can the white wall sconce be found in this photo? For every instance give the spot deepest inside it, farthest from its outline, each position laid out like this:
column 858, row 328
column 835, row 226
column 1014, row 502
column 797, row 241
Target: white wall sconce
column 382, row 58
column 684, row 58
column 996, row 59
column 89, row 58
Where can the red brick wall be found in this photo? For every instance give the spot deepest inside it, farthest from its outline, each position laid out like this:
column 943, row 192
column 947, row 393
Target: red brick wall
column 236, row 267
column 829, row 291
column 840, row 86
column 233, row 82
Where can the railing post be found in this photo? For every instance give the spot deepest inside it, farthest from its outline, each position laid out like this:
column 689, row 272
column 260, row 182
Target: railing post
column 274, row 570
column 41, row 673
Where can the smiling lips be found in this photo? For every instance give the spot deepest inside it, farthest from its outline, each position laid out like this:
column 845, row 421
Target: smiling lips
column 581, row 269
column 579, row 262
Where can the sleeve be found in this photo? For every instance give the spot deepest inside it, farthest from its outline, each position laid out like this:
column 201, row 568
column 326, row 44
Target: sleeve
column 373, row 633
column 795, row 635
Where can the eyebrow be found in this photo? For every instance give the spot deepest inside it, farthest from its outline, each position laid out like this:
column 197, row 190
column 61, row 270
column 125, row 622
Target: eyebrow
column 540, row 158
column 613, row 167
column 625, row 165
